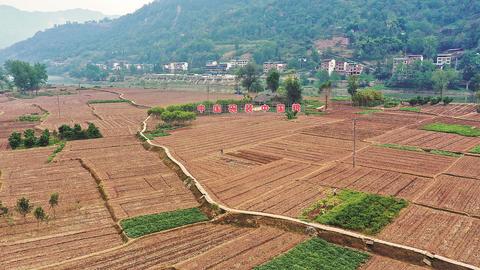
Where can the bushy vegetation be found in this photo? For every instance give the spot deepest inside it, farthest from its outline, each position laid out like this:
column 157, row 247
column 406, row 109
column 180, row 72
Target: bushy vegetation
column 65, row 132
column 27, row 77
column 411, row 109
column 358, row 211
column 140, row 226
column 429, row 100
column 317, row 254
column 29, row 140
column 57, row 150
column 369, row 111
column 161, row 130
column 178, row 118
column 107, row 101
column 463, row 130
column 291, row 115
column 368, row 98
column 30, row 118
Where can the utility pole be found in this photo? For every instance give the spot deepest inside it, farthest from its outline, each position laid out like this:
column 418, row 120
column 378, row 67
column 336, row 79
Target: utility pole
column 354, row 142
column 58, row 105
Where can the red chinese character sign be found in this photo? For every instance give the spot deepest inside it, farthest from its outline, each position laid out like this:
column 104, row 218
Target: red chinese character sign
column 217, row 108
column 249, row 108
column 281, row 108
column 232, row 108
column 296, row 107
column 201, row 108
column 265, row 108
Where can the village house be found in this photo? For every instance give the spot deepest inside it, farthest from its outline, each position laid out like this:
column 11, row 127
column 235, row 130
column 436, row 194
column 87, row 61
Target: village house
column 328, row 65
column 342, row 67
column 176, row 67
column 449, row 58
column 239, row 63
column 215, row 68
column 279, row 66
column 407, row 60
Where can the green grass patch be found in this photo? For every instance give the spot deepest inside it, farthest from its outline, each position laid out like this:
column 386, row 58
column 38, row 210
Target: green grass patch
column 401, row 147
column 475, row 150
column 369, row 111
column 140, row 226
column 30, row 118
column 444, row 153
column 411, row 109
column 106, row 101
column 357, row 211
column 160, row 131
column 463, row 130
column 57, row 150
column 317, row 254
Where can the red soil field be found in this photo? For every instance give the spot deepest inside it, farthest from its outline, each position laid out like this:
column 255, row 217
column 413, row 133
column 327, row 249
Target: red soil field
column 453, row 110
column 82, row 220
column 429, row 140
column 383, row 263
column 118, row 119
column 451, row 235
column 370, row 180
column 417, row 163
column 135, row 180
column 454, row 193
column 467, row 166
column 159, row 97
column 196, row 247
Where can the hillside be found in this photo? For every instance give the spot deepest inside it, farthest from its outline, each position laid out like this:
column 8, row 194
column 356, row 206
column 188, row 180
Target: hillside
column 198, row 30
column 18, row 25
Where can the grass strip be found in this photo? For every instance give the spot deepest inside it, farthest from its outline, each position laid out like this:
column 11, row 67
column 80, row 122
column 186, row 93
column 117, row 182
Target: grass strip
column 418, row 149
column 317, row 254
column 401, row 147
column 475, row 150
column 106, row 101
column 444, row 153
column 463, row 130
column 357, row 211
column 411, row 109
column 30, row 118
column 143, row 225
column 369, row 111
column 57, row 150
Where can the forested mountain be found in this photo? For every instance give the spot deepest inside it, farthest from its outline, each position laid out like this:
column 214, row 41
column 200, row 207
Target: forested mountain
column 18, row 25
column 198, row 30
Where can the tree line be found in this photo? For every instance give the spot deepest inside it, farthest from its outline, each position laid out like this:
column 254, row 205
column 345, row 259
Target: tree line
column 24, row 208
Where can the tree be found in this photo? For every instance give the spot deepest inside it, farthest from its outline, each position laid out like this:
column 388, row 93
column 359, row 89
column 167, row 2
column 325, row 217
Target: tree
column 53, row 202
column 470, row 65
column 3, row 210
column 248, row 75
column 93, row 132
column 40, row 215
column 353, row 84
column 294, row 90
column 25, row 76
column 44, row 139
column 273, row 80
column 15, row 140
column 442, row 78
column 30, row 139
column 24, row 207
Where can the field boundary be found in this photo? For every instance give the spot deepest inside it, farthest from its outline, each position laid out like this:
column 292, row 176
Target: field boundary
column 331, row 234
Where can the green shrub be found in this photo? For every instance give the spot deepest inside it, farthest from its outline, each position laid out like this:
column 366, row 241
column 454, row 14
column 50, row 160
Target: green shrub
column 411, row 109
column 77, row 133
column 435, row 100
column 29, row 138
column 358, row 211
column 15, row 140
column 156, row 111
column 447, row 100
column 93, row 132
column 140, row 226
column 30, row 118
column 291, row 115
column 317, row 254
column 44, row 139
column 368, row 98
column 57, row 150
column 463, row 130
column 178, row 118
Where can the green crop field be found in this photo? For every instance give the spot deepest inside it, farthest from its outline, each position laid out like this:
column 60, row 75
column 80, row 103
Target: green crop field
column 358, row 211
column 464, row 130
column 143, row 225
column 317, row 254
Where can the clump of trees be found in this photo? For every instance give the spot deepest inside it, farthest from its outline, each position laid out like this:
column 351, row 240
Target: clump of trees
column 65, row 132
column 178, row 118
column 29, row 140
column 294, row 90
column 249, row 76
column 27, row 77
column 273, row 80
column 368, row 98
column 91, row 73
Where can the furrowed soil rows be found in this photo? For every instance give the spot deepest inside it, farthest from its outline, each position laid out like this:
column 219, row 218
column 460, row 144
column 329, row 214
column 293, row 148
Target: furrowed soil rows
column 195, row 247
column 344, row 176
column 451, row 235
column 422, row 164
column 158, row 97
column 467, row 166
column 429, row 140
column 118, row 119
column 454, row 193
column 383, row 263
column 135, row 180
column 454, row 110
column 81, row 219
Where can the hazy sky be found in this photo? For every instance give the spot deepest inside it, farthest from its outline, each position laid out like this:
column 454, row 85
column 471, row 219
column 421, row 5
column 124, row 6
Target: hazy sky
column 109, row 7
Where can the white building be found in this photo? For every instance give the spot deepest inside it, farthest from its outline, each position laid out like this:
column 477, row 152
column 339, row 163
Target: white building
column 175, row 67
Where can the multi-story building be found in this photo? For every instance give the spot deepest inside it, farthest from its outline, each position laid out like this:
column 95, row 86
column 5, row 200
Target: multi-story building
column 407, row 60
column 239, row 63
column 328, row 65
column 214, row 67
column 279, row 66
column 176, row 67
column 449, row 57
